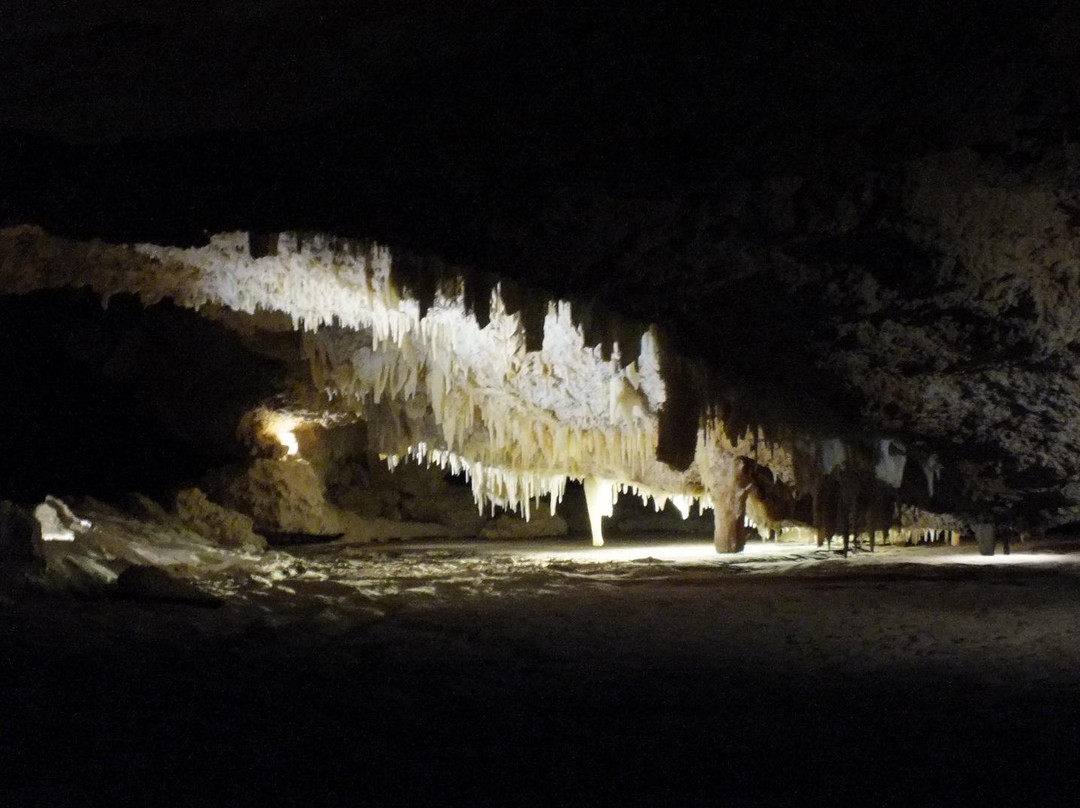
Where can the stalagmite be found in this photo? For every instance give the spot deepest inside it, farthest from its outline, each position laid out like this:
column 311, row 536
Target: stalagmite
column 600, row 497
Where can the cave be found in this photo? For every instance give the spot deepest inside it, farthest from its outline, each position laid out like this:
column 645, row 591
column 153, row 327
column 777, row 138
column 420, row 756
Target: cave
column 525, row 404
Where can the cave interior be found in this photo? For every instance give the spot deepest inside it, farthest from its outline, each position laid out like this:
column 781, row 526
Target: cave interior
column 630, row 380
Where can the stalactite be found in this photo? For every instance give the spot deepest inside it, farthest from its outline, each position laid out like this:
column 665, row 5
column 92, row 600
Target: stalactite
column 522, row 391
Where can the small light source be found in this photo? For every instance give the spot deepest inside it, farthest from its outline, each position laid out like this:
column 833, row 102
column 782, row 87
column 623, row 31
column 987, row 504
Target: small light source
column 287, row 438
column 280, row 428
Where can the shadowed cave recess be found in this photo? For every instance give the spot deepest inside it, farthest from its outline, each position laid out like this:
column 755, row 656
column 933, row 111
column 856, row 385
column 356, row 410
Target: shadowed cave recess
column 284, row 283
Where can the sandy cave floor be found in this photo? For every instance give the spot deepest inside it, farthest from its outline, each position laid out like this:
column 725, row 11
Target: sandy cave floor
column 518, row 673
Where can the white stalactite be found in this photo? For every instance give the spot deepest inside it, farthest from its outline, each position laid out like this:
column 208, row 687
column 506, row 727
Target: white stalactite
column 438, row 387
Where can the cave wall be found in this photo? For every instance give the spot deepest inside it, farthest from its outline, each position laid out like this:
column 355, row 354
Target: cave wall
column 868, row 213
column 103, row 401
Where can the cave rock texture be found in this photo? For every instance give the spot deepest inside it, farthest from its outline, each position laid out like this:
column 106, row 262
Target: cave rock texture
column 818, row 262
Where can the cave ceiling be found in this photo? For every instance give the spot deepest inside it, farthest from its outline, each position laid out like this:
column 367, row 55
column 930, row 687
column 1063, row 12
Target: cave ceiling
column 866, row 219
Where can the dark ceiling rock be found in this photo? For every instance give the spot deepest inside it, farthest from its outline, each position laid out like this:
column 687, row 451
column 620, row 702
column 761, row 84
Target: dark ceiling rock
column 106, row 401
column 873, row 213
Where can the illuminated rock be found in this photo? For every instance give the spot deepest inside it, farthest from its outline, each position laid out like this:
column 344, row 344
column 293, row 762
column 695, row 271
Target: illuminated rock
column 226, row 527
column 508, row 391
column 727, row 485
column 280, row 496
column 52, row 525
column 890, row 464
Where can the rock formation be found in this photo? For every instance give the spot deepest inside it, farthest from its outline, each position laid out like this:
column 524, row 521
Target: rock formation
column 804, row 267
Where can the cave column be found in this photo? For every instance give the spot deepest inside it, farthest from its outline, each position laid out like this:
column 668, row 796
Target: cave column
column 985, row 538
column 727, row 484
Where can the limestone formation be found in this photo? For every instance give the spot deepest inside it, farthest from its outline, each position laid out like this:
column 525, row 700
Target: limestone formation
column 279, row 496
column 841, row 248
column 517, row 415
column 227, row 527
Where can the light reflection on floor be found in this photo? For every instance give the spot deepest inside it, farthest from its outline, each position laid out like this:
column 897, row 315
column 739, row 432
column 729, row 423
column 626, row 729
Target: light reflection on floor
column 998, row 559
column 371, row 578
column 697, row 551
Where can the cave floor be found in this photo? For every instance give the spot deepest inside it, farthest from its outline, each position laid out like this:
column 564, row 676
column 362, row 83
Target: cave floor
column 518, row 673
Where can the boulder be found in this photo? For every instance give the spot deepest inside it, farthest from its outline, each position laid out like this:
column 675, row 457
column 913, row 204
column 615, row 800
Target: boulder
column 50, row 519
column 82, row 575
column 67, row 516
column 280, row 496
column 222, row 525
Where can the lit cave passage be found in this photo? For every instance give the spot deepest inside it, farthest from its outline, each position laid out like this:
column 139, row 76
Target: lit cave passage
column 181, row 410
column 270, row 387
column 281, row 509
